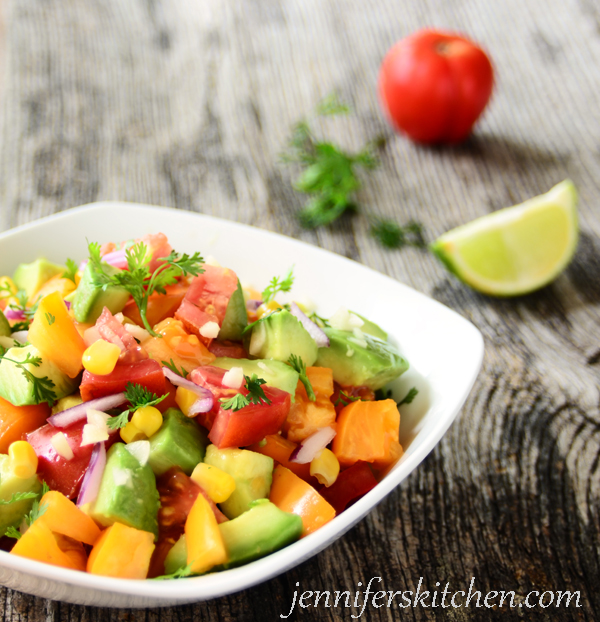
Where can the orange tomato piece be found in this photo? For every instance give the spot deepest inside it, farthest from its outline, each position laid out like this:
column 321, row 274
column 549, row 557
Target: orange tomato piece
column 368, row 431
column 54, row 334
column 16, row 421
column 62, row 516
column 160, row 306
column 306, row 417
column 280, row 449
column 39, row 543
column 122, row 552
column 56, row 284
column 292, row 494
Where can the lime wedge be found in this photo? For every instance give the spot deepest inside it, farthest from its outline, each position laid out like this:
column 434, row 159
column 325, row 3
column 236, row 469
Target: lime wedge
column 515, row 250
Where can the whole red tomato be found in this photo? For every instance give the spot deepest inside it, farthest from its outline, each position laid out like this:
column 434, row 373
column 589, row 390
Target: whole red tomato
column 434, row 85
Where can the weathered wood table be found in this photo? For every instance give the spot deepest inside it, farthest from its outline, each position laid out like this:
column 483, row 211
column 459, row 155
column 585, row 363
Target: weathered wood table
column 189, row 104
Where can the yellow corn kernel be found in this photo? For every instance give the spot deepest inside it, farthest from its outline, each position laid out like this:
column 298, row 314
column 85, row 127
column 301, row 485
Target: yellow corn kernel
column 66, row 402
column 184, row 399
column 325, row 467
column 131, row 433
column 23, row 460
column 267, row 308
column 217, row 484
column 147, row 419
column 101, row 357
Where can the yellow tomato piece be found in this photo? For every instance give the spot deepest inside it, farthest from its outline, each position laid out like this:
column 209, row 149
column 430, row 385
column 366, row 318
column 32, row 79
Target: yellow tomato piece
column 205, row 546
column 217, row 484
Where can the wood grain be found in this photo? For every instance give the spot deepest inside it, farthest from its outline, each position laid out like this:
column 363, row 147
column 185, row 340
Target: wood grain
column 189, row 104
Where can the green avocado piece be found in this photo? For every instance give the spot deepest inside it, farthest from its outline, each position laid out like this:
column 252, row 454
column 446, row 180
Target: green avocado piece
column 236, row 317
column 11, row 514
column 31, row 276
column 359, row 359
column 18, row 390
column 279, row 335
column 252, row 472
column 127, row 493
column 180, row 442
column 4, row 326
column 371, row 328
column 176, row 558
column 263, row 529
column 275, row 373
column 89, row 300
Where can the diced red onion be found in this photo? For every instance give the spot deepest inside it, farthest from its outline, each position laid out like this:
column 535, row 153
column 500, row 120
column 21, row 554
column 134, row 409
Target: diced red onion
column 93, row 476
column 321, row 339
column 67, row 304
column 252, row 305
column 312, row 445
column 118, row 259
column 14, row 314
column 82, row 265
column 77, row 413
column 20, row 335
column 206, row 401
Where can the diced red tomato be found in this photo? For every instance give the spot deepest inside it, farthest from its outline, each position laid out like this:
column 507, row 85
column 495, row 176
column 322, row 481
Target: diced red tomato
column 177, row 495
column 350, row 485
column 58, row 472
column 110, row 329
column 245, row 426
column 147, row 373
column 339, row 401
column 207, row 298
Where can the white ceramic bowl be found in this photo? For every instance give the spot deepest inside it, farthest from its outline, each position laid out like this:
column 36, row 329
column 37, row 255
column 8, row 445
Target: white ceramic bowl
column 444, row 350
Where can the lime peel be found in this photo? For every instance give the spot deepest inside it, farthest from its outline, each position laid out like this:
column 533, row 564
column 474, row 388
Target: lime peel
column 515, row 250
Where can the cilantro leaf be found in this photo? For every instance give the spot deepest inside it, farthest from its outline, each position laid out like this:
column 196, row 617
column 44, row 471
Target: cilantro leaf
column 138, row 280
column 50, row 318
column 36, row 511
column 173, row 367
column 329, row 176
column 19, row 496
column 13, row 532
column 256, row 395
column 298, row 364
column 277, row 285
column 345, row 398
column 71, row 270
column 138, row 396
column 409, row 397
column 118, row 422
column 42, row 386
column 180, row 573
column 391, row 235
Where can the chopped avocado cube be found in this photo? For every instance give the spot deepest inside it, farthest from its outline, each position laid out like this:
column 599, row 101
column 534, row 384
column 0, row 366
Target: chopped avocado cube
column 275, row 373
column 176, row 558
column 4, row 326
column 236, row 317
column 358, row 359
column 263, row 529
column 31, row 276
column 89, row 300
column 252, row 472
column 180, row 442
column 127, row 493
column 279, row 335
column 18, row 389
column 371, row 328
column 11, row 514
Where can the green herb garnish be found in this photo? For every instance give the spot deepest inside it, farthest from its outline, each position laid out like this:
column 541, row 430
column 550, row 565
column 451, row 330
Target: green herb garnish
column 173, row 367
column 138, row 397
column 180, row 573
column 278, row 285
column 42, row 387
column 344, row 399
column 71, row 271
column 256, row 395
column 138, row 280
column 50, row 318
column 298, row 364
column 13, row 532
column 19, row 496
column 409, row 397
column 391, row 235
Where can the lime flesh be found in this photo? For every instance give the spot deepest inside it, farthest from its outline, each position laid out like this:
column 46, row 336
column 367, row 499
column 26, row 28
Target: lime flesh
column 515, row 250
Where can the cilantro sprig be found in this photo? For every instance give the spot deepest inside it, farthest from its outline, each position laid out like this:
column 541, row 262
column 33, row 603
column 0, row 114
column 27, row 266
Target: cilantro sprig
column 42, row 386
column 71, row 270
column 173, row 367
column 345, row 398
column 180, row 573
column 36, row 511
column 391, row 235
column 278, row 284
column 409, row 397
column 138, row 280
column 300, row 366
column 329, row 177
column 138, row 397
column 256, row 395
